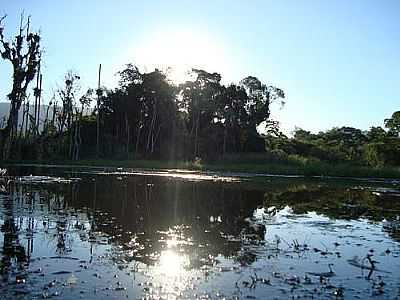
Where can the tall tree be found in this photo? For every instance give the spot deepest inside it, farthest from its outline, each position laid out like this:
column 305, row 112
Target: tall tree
column 23, row 52
column 258, row 108
column 199, row 100
column 233, row 117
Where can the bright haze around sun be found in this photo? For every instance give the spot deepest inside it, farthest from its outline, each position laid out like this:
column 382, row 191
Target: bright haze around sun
column 177, row 51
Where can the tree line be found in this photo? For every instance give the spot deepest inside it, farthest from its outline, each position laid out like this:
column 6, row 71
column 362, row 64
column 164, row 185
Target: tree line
column 375, row 147
column 147, row 116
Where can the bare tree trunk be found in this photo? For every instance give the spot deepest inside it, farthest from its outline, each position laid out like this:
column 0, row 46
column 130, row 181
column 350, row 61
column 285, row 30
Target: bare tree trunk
column 9, row 132
column 46, row 120
column 127, row 134
column 154, row 139
column 196, row 136
column 39, row 103
column 224, row 145
column 24, row 118
column 138, row 140
column 37, row 95
column 76, row 140
column 71, row 131
column 153, row 119
column 28, row 109
column 98, row 117
column 53, row 119
column 13, row 120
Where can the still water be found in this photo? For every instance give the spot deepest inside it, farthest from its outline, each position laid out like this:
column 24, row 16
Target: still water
column 112, row 234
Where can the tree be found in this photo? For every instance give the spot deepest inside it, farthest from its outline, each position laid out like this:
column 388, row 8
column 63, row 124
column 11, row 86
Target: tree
column 376, row 134
column 159, row 109
column 199, row 101
column 232, row 116
column 379, row 154
column 67, row 94
column 24, row 53
column 348, row 141
column 70, row 114
column 141, row 112
column 260, row 98
column 393, row 124
column 303, row 135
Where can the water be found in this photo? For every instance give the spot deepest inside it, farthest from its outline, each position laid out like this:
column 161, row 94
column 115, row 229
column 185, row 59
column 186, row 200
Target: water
column 95, row 234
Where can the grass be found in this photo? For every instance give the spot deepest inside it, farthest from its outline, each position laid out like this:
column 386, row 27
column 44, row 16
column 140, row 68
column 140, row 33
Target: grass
column 291, row 166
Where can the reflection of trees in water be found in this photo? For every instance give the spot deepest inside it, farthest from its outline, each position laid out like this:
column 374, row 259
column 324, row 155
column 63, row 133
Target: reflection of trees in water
column 139, row 213
column 337, row 202
column 144, row 207
column 13, row 251
column 334, row 202
column 27, row 209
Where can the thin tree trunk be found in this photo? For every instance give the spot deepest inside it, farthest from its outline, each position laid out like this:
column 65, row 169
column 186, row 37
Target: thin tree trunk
column 151, row 127
column 76, row 140
column 98, row 116
column 39, row 100
column 154, row 139
column 224, row 145
column 37, row 96
column 27, row 120
column 24, row 118
column 127, row 133
column 137, row 141
column 53, row 119
column 196, row 136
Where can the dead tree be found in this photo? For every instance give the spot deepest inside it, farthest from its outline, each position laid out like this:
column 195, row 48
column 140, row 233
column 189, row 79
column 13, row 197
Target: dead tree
column 99, row 94
column 84, row 101
column 23, row 52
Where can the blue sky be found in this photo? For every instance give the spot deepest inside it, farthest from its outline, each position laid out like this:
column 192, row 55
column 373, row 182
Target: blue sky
column 338, row 61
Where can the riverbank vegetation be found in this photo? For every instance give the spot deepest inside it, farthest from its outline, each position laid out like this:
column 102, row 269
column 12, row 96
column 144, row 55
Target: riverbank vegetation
column 148, row 120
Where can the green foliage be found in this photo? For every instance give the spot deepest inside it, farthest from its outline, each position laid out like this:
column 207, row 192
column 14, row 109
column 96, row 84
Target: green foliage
column 376, row 134
column 393, row 124
column 383, row 153
column 345, row 145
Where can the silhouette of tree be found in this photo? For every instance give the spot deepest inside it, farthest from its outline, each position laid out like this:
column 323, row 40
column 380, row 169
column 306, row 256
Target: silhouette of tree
column 23, row 52
column 393, row 124
column 199, row 101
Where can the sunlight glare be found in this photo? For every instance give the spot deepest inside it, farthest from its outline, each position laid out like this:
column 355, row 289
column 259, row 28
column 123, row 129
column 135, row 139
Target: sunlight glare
column 171, row 264
column 176, row 52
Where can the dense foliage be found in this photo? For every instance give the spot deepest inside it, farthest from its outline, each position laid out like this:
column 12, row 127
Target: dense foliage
column 148, row 116
column 375, row 147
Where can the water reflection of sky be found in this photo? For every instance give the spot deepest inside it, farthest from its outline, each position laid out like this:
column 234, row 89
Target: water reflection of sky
column 104, row 237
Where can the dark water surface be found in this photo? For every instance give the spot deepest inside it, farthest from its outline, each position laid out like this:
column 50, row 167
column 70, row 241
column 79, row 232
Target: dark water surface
column 119, row 235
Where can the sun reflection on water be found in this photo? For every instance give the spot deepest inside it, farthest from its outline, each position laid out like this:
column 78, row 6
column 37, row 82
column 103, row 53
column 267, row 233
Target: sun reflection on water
column 172, row 264
column 172, row 272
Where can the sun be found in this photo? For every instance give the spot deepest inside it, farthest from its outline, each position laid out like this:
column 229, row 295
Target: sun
column 178, row 51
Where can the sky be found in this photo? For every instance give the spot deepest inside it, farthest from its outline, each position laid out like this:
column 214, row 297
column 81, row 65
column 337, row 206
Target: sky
column 338, row 61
